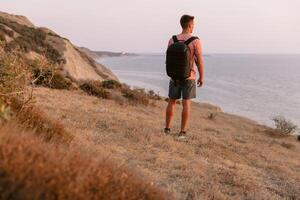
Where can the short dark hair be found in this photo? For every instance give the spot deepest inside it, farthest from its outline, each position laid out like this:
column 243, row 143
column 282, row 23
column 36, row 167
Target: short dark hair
column 185, row 20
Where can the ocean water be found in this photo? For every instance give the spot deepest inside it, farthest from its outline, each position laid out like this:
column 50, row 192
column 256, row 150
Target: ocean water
column 256, row 86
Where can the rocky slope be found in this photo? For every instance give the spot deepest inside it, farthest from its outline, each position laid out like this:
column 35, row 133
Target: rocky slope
column 20, row 34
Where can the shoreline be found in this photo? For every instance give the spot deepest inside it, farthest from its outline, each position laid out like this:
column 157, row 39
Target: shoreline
column 216, row 93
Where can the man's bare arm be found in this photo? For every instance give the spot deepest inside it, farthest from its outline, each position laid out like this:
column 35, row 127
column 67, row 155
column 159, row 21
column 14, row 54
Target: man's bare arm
column 199, row 63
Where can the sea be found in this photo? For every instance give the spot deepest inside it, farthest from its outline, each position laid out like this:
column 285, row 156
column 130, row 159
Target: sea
column 259, row 87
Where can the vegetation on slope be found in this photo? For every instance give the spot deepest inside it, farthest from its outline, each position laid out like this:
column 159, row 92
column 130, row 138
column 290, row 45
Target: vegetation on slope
column 30, row 39
column 16, row 93
column 33, row 168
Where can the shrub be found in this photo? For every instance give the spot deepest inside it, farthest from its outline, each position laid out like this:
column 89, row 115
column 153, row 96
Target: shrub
column 136, row 95
column 94, row 88
column 284, row 126
column 51, row 78
column 111, row 84
column 153, row 95
column 15, row 77
column 14, row 74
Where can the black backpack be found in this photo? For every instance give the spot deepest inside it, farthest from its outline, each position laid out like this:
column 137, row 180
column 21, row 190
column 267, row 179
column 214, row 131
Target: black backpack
column 178, row 63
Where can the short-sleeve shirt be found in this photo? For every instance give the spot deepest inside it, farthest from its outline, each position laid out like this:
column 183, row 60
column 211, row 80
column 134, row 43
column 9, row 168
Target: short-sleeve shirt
column 193, row 48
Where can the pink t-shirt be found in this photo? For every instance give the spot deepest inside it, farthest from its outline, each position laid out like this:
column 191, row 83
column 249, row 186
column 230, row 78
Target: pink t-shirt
column 194, row 47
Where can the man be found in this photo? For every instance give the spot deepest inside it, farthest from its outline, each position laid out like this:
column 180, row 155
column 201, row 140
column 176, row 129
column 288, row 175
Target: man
column 186, row 88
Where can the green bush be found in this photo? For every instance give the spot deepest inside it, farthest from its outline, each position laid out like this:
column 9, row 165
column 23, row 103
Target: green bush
column 94, row 88
column 48, row 76
column 111, row 84
column 137, row 96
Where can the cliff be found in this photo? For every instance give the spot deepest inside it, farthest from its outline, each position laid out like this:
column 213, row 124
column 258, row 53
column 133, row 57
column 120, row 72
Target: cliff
column 19, row 34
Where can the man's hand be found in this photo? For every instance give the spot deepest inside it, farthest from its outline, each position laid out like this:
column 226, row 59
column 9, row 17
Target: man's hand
column 200, row 82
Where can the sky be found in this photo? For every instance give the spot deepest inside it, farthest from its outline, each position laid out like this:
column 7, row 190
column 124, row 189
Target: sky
column 145, row 26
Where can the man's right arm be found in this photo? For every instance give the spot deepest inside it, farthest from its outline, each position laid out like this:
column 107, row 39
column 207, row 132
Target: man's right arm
column 199, row 62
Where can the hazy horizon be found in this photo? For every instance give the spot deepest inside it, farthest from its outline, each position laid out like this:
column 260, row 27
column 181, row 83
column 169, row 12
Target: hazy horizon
column 144, row 26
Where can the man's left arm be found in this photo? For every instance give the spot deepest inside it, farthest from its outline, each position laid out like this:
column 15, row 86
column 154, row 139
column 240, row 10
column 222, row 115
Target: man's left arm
column 199, row 62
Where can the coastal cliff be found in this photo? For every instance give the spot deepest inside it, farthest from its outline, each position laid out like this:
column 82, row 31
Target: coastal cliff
column 19, row 34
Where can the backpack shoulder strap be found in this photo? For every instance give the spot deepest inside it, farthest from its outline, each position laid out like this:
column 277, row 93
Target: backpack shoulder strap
column 175, row 38
column 191, row 39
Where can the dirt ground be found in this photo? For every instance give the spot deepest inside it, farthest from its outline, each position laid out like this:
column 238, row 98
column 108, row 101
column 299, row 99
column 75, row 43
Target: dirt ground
column 229, row 157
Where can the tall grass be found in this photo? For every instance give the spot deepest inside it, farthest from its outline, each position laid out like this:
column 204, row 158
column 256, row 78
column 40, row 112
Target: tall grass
column 31, row 169
column 16, row 94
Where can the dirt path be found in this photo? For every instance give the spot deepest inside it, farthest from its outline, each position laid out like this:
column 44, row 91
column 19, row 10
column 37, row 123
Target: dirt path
column 227, row 158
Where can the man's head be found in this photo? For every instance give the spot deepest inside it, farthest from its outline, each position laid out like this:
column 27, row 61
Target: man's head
column 187, row 23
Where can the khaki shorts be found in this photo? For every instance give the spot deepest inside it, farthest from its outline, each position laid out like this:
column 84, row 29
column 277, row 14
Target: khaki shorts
column 186, row 89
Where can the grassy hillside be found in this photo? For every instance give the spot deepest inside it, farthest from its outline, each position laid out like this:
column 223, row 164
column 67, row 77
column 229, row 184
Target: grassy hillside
column 100, row 139
column 39, row 158
column 225, row 156
column 34, row 163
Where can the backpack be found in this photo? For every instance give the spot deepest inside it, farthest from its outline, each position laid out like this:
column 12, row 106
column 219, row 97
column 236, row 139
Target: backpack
column 178, row 64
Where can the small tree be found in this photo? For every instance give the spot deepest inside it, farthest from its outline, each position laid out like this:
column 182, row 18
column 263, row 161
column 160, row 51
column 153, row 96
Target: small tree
column 284, row 126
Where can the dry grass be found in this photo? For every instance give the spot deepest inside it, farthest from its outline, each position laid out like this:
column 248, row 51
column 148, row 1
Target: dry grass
column 32, row 118
column 230, row 158
column 31, row 169
column 15, row 94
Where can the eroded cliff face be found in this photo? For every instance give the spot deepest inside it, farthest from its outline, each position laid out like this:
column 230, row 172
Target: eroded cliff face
column 21, row 35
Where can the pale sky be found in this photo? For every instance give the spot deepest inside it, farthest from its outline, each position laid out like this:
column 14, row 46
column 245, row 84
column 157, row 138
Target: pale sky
column 224, row 26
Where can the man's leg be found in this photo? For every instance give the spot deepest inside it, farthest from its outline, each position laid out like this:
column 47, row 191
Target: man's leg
column 170, row 112
column 186, row 103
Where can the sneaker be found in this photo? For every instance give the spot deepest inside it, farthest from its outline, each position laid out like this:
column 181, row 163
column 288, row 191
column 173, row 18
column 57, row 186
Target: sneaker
column 182, row 135
column 167, row 131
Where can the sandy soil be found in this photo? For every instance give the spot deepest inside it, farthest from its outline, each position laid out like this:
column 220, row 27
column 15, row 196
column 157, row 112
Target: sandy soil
column 229, row 157
column 76, row 66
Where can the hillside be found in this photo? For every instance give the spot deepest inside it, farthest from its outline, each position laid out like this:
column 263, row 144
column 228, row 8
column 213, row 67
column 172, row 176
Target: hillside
column 100, row 54
column 19, row 34
column 64, row 135
column 230, row 157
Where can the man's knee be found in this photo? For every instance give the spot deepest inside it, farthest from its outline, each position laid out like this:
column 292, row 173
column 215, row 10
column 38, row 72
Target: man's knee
column 172, row 102
column 186, row 102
